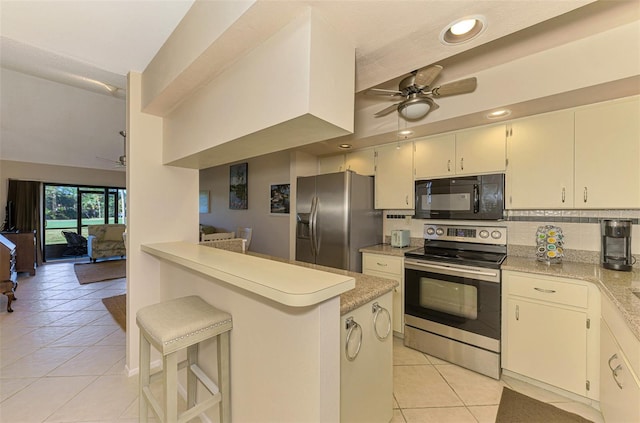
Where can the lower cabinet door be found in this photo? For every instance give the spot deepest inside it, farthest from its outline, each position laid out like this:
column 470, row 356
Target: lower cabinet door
column 619, row 388
column 366, row 363
column 547, row 343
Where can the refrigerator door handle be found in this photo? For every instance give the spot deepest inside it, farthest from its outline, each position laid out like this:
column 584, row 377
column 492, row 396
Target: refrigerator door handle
column 316, row 241
column 312, row 226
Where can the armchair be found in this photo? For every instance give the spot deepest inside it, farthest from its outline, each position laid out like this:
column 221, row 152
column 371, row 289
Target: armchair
column 106, row 241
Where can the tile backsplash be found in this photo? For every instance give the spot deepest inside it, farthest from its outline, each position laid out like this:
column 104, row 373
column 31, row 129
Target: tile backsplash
column 581, row 228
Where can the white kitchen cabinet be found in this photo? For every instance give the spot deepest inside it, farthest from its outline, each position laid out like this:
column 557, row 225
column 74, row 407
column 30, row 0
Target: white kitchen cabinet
column 331, row 164
column 390, row 267
column 607, row 155
column 366, row 364
column 394, row 176
column 435, row 157
column 472, row 152
column 550, row 331
column 619, row 386
column 540, row 162
column 361, row 162
column 481, row 150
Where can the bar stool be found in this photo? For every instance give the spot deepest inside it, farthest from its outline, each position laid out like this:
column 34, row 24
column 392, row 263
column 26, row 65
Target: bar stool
column 170, row 327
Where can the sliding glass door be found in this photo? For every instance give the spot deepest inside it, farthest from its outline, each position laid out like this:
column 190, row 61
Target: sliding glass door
column 72, row 208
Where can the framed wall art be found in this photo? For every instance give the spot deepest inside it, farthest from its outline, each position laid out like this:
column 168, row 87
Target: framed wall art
column 203, row 202
column 238, row 187
column 279, row 203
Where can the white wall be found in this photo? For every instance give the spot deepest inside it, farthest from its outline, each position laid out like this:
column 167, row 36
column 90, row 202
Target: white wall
column 52, row 123
column 270, row 232
column 162, row 206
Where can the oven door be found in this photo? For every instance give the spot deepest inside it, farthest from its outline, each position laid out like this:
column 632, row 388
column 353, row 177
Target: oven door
column 460, row 297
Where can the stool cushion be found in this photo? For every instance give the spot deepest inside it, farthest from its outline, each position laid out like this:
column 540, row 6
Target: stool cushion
column 176, row 324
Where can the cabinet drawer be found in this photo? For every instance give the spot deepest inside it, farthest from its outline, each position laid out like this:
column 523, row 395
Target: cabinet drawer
column 547, row 289
column 381, row 263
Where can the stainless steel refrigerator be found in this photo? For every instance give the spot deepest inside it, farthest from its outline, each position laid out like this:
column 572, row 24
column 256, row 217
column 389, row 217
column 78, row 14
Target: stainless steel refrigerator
column 335, row 218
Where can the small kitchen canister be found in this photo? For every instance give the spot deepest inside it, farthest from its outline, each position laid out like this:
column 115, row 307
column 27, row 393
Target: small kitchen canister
column 549, row 244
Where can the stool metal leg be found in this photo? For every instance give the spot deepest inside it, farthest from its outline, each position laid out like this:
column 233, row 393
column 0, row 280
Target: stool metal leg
column 170, row 373
column 192, row 380
column 145, row 365
column 224, row 377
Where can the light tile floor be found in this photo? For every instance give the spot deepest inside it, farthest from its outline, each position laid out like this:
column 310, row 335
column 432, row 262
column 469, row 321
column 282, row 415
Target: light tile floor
column 62, row 360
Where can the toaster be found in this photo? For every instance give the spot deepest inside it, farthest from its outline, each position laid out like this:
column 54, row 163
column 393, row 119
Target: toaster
column 400, row 238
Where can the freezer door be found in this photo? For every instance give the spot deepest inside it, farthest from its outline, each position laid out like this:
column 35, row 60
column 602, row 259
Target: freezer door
column 305, row 195
column 332, row 220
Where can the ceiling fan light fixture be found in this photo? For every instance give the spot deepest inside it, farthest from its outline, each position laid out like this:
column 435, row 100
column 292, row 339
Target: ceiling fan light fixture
column 463, row 30
column 415, row 108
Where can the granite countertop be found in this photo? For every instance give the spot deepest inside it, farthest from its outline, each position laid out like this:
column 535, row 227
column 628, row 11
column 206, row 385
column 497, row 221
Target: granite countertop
column 388, row 250
column 367, row 287
column 618, row 286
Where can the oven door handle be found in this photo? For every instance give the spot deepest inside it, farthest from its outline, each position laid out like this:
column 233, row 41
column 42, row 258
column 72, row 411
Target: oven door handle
column 419, row 266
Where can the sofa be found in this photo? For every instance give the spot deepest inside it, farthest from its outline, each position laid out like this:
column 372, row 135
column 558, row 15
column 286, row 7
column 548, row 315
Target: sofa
column 106, row 241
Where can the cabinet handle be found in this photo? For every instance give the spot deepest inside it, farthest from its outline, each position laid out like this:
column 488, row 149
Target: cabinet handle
column 449, row 165
column 406, row 199
column 462, row 163
column 614, row 372
column 584, row 195
column 563, row 194
column 517, row 312
column 381, row 264
column 546, row 291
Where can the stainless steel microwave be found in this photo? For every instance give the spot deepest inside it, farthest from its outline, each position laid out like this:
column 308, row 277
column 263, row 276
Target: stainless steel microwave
column 465, row 198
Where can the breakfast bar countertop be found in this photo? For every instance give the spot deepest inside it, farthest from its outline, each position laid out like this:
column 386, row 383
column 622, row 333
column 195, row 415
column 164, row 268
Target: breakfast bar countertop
column 619, row 287
column 367, row 287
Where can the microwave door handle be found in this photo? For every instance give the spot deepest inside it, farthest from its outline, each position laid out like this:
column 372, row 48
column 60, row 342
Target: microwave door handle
column 476, row 199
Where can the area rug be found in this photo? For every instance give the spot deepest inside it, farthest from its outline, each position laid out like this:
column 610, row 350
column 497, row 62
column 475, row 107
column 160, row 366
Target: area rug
column 518, row 408
column 117, row 306
column 100, row 271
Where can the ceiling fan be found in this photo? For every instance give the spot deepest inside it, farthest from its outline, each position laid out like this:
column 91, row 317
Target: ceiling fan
column 418, row 93
column 122, row 160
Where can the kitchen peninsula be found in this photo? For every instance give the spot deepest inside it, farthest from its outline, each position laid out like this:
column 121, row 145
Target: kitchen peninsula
column 286, row 337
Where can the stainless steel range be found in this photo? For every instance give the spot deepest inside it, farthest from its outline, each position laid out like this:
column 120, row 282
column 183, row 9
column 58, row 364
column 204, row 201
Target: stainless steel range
column 452, row 295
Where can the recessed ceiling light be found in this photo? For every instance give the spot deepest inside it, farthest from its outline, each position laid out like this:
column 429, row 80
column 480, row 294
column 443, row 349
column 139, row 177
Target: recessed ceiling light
column 463, row 30
column 497, row 114
column 405, row 132
column 345, row 146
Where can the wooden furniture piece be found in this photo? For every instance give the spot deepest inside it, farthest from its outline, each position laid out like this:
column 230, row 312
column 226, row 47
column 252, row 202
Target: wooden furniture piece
column 8, row 273
column 25, row 250
column 172, row 326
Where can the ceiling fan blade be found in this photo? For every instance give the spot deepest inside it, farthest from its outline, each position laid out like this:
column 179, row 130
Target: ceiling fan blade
column 380, row 91
column 387, row 110
column 458, row 87
column 426, row 76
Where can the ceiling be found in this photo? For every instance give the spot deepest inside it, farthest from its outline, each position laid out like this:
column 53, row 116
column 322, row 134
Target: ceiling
column 93, row 44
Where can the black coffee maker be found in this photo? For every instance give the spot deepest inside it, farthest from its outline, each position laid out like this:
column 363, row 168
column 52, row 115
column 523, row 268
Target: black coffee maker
column 615, row 252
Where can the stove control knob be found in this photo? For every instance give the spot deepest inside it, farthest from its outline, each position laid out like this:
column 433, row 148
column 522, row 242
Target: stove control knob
column 430, row 231
column 496, row 235
column 484, row 234
column 439, row 231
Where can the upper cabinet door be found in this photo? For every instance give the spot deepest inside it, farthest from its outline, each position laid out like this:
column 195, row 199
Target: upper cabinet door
column 394, row 176
column 361, row 162
column 481, row 150
column 607, row 155
column 540, row 156
column 435, row 157
column 331, row 164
